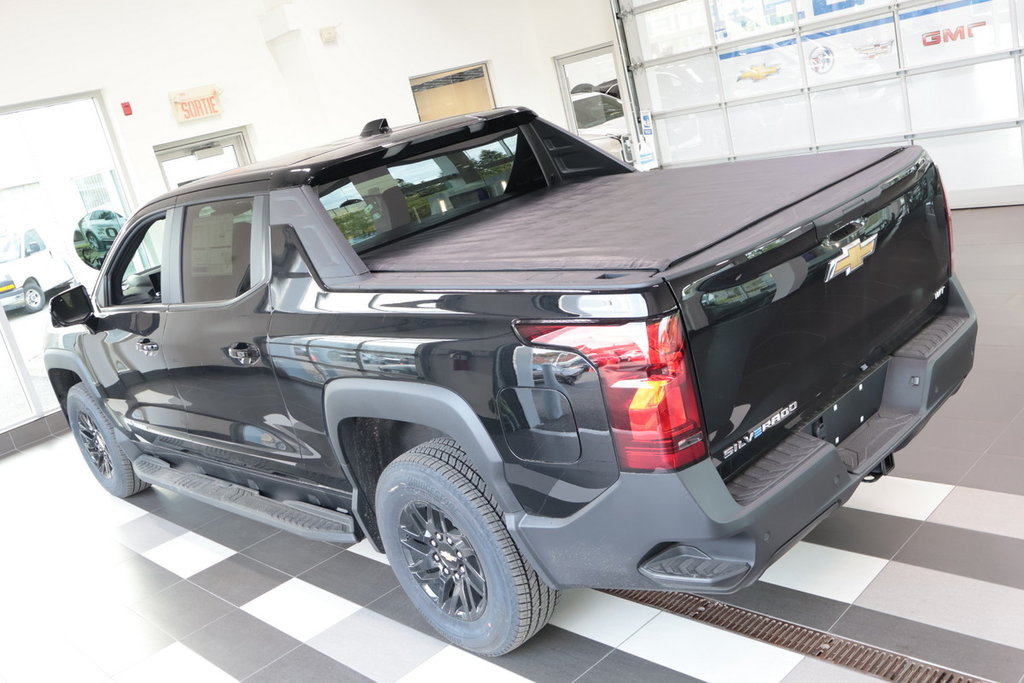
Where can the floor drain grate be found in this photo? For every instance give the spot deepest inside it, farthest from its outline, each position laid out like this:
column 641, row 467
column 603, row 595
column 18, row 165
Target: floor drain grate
column 807, row 641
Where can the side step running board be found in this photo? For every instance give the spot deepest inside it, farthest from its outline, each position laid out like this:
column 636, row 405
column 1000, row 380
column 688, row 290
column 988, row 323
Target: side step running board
column 309, row 521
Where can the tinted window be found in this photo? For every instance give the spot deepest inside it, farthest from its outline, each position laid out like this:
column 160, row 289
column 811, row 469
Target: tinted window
column 594, row 109
column 409, row 195
column 33, row 242
column 215, row 250
column 9, row 248
column 135, row 277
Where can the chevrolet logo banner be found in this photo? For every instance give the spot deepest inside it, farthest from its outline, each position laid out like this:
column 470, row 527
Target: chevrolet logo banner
column 852, row 257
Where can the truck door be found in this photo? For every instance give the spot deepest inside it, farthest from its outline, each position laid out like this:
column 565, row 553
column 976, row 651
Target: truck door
column 216, row 351
column 126, row 352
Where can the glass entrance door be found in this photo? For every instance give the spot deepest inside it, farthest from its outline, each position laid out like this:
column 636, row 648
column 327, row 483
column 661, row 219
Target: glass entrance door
column 594, row 102
column 61, row 204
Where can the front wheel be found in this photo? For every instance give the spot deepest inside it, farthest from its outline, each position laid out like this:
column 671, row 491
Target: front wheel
column 452, row 554
column 96, row 437
column 35, row 298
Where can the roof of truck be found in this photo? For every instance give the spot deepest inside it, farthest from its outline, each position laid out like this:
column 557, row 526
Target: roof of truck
column 300, row 167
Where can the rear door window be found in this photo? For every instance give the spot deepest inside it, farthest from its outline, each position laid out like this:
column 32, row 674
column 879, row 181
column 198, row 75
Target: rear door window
column 215, row 252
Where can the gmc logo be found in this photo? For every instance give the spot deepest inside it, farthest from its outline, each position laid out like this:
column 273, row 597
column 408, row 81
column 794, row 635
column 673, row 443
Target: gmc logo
column 948, row 35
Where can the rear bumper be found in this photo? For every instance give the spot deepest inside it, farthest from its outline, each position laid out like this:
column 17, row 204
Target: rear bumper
column 689, row 531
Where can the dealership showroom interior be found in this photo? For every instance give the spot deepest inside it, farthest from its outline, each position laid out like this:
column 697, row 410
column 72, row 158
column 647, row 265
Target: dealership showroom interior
column 331, row 352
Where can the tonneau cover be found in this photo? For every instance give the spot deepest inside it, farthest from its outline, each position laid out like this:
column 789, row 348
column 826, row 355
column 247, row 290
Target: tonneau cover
column 626, row 221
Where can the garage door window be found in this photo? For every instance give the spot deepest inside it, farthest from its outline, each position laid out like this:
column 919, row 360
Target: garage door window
column 793, row 76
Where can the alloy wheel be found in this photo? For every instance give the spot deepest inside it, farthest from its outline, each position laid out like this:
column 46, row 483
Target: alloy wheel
column 95, row 445
column 442, row 560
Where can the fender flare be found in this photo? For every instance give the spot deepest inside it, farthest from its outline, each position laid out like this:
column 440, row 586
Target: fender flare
column 425, row 404
column 62, row 359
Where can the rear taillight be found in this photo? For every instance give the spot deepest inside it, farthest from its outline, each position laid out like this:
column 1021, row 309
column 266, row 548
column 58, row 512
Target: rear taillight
column 647, row 383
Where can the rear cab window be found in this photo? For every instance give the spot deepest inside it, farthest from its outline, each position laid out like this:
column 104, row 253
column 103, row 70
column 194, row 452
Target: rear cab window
column 414, row 194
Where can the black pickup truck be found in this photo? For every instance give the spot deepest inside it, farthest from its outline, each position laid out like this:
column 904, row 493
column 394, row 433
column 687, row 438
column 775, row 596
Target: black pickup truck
column 513, row 364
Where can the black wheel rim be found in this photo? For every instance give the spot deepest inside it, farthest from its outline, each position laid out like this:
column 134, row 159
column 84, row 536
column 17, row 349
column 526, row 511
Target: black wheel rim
column 443, row 562
column 95, row 446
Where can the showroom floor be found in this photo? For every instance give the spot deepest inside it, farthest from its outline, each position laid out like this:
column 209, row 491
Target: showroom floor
column 926, row 562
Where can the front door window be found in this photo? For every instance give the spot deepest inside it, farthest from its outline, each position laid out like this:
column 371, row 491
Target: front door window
column 135, row 277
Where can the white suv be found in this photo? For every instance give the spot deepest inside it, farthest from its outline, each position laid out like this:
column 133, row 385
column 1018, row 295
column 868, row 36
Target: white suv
column 29, row 271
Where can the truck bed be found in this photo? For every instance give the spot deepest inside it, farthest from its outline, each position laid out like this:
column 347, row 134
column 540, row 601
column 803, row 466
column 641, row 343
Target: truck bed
column 632, row 221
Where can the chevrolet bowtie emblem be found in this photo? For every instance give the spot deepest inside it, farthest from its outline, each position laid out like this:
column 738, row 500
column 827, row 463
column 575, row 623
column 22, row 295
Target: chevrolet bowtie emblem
column 852, row 257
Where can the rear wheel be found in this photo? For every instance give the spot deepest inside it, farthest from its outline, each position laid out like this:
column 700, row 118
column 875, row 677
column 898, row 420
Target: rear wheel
column 445, row 539
column 96, row 437
column 35, row 298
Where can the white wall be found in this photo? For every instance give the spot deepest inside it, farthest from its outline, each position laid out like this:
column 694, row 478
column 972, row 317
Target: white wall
column 276, row 76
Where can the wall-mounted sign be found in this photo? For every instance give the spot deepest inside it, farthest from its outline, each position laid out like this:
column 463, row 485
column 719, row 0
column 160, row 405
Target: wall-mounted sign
column 196, row 103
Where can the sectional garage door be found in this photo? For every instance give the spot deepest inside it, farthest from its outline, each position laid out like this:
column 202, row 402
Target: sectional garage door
column 727, row 79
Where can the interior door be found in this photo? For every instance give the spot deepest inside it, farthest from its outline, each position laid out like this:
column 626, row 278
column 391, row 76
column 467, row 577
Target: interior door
column 187, row 160
column 595, row 104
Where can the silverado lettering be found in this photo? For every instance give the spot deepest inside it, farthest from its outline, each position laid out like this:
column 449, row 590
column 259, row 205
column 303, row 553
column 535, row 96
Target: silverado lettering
column 774, row 420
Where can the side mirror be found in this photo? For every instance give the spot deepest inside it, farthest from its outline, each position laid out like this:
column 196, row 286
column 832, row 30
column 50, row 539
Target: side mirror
column 71, row 307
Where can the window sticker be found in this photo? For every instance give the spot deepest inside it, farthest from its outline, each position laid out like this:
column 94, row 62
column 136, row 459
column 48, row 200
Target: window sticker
column 212, row 239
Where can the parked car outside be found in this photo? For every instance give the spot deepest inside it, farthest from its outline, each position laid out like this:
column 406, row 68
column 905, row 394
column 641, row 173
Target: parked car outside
column 99, row 227
column 89, row 256
column 29, row 271
column 600, row 120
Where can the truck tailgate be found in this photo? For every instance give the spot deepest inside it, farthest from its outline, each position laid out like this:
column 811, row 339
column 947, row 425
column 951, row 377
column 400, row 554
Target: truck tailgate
column 809, row 303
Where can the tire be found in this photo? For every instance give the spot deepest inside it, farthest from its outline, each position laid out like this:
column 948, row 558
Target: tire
column 94, row 242
column 35, row 297
column 97, row 439
column 432, row 491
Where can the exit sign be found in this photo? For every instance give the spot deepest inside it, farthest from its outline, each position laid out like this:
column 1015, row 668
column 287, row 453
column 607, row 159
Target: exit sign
column 196, row 103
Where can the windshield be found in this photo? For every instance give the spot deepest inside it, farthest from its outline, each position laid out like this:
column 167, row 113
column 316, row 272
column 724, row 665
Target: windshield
column 409, row 195
column 9, row 248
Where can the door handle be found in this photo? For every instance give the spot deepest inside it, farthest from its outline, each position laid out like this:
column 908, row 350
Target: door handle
column 147, row 346
column 244, row 354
